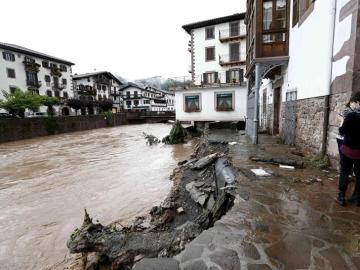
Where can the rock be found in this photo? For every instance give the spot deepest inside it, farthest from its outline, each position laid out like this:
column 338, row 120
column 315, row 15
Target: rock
column 196, row 194
column 180, row 210
column 157, row 264
column 168, row 204
column 138, row 258
column 205, row 161
column 210, row 202
column 92, row 261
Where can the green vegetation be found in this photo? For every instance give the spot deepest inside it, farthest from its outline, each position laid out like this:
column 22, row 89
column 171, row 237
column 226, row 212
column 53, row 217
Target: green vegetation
column 19, row 101
column 177, row 134
column 109, row 117
column 51, row 125
column 318, row 161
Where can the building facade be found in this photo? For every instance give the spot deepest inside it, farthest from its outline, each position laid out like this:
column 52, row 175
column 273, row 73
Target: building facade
column 98, row 86
column 138, row 98
column 42, row 74
column 215, row 91
column 302, row 69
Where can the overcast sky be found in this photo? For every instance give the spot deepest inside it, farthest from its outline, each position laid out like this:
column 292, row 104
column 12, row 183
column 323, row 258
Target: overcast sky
column 134, row 39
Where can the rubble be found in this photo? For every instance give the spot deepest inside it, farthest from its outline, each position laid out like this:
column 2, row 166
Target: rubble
column 201, row 194
column 278, row 161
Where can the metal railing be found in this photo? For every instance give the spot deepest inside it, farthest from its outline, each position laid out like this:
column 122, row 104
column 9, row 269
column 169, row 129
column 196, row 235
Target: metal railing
column 207, row 80
column 33, row 83
column 230, row 59
column 232, row 32
column 58, row 86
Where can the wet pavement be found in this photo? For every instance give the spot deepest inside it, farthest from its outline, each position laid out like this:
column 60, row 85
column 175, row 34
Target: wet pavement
column 45, row 184
column 286, row 221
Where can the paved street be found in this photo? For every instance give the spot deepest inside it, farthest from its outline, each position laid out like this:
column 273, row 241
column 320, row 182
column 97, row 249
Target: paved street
column 287, row 221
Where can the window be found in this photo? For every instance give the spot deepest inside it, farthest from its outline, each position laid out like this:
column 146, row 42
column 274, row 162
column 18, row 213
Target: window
column 45, row 64
column 280, row 14
column 65, row 95
column 64, row 81
column 11, row 73
column 278, row 37
column 104, row 87
column 49, row 93
column 210, row 53
column 146, row 101
column 224, row 102
column 47, row 78
column 128, row 94
column 210, row 32
column 98, row 86
column 234, row 76
column 234, row 29
column 136, row 102
column 128, row 103
column 192, row 103
column 291, row 95
column 99, row 97
column 13, row 89
column 267, row 14
column 52, row 65
column 9, row 56
column 210, row 77
column 57, row 94
column 135, row 94
column 63, row 68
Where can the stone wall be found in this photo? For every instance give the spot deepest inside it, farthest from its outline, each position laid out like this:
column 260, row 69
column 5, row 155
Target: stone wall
column 337, row 105
column 26, row 128
column 289, row 121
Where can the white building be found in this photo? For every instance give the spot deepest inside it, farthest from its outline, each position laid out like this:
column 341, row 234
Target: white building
column 216, row 90
column 137, row 98
column 307, row 86
column 98, row 86
column 25, row 69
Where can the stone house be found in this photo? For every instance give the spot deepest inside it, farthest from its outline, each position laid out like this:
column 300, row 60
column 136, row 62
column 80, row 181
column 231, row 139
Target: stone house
column 302, row 68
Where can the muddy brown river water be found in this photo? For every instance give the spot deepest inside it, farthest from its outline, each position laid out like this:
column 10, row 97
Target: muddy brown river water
column 45, row 184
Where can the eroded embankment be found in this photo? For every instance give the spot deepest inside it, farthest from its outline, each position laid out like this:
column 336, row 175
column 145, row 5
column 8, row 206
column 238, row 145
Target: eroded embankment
column 201, row 194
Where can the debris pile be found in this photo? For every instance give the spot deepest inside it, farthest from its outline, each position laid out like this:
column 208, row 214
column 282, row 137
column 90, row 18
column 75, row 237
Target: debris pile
column 202, row 193
column 177, row 134
column 151, row 139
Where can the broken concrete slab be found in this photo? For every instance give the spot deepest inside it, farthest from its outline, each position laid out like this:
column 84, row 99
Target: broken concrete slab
column 224, row 173
column 205, row 161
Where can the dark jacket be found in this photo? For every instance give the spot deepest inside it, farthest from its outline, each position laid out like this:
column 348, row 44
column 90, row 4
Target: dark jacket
column 351, row 130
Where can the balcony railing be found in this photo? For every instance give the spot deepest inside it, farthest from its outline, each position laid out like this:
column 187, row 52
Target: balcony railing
column 102, row 81
column 208, row 80
column 33, row 83
column 232, row 33
column 31, row 65
column 231, row 59
column 58, row 86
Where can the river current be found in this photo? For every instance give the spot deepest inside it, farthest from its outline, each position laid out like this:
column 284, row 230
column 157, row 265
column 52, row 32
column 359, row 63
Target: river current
column 45, row 184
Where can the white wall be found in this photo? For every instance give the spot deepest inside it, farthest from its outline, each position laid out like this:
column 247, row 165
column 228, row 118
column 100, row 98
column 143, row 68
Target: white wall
column 200, row 43
column 208, row 111
column 20, row 80
column 309, row 51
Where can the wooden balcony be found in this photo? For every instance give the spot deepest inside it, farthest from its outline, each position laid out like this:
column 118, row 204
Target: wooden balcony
column 33, row 83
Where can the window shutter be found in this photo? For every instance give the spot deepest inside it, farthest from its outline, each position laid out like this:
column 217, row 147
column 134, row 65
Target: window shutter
column 216, row 76
column 204, row 78
column 241, row 75
column 4, row 55
column 295, row 12
column 228, row 76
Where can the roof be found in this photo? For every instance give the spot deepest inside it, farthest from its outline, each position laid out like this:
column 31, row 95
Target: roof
column 130, row 84
column 19, row 49
column 234, row 17
column 91, row 74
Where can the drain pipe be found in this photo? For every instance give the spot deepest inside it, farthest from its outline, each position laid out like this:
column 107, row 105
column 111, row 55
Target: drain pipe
column 327, row 97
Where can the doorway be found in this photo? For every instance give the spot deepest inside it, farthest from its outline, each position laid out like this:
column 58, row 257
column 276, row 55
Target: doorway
column 276, row 108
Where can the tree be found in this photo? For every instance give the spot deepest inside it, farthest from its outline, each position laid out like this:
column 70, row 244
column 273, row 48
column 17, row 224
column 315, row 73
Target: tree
column 76, row 104
column 106, row 105
column 19, row 101
column 49, row 102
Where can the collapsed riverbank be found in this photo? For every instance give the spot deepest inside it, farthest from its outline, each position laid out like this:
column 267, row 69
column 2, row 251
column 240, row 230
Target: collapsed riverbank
column 201, row 194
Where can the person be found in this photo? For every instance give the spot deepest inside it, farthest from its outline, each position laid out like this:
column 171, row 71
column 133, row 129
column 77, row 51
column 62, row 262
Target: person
column 350, row 151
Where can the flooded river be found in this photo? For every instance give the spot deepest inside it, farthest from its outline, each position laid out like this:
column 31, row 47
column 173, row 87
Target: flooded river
column 45, row 184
